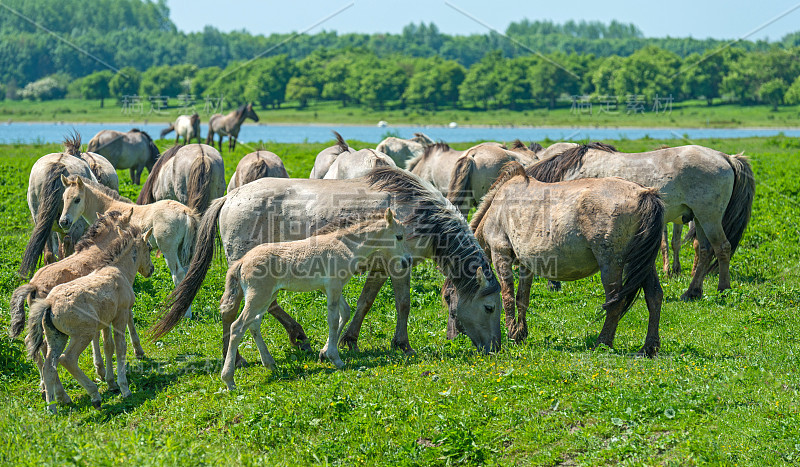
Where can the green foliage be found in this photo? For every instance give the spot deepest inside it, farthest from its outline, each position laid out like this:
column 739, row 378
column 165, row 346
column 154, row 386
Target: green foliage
column 772, row 92
column 167, row 80
column 96, row 85
column 47, row 88
column 125, row 83
column 301, row 89
column 792, row 96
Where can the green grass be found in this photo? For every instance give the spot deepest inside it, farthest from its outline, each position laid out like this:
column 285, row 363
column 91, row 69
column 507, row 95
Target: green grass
column 724, row 389
column 689, row 114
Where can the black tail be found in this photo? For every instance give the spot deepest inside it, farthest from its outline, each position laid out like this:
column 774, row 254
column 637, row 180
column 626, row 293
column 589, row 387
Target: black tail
column 18, row 299
column 146, row 195
column 167, row 130
column 34, row 341
column 459, row 190
column 642, row 251
column 343, row 146
column 50, row 206
column 199, row 186
column 181, row 298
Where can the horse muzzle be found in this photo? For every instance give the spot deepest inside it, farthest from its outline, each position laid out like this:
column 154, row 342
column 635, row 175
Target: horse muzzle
column 65, row 223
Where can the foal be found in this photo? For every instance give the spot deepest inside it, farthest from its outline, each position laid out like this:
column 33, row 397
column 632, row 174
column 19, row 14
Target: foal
column 325, row 261
column 78, row 310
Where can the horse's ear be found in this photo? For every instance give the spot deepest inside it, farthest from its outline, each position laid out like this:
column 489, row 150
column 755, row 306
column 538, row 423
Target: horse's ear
column 480, row 277
column 119, row 231
column 389, row 216
column 64, row 180
column 126, row 217
column 147, row 234
column 80, row 182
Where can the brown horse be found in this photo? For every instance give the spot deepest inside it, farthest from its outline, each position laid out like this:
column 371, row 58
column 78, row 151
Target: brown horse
column 134, row 150
column 257, row 165
column 569, row 231
column 228, row 125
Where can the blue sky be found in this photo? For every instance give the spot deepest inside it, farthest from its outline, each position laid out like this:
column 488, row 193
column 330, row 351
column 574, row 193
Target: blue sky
column 676, row 18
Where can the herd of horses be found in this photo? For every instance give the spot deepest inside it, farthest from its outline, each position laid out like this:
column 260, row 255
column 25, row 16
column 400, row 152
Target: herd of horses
column 562, row 213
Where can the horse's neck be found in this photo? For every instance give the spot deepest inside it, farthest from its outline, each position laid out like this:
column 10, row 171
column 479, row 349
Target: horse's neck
column 126, row 267
column 101, row 202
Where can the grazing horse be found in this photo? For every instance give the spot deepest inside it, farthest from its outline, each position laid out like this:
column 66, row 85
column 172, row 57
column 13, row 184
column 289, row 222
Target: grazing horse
column 193, row 175
column 173, row 224
column 327, row 156
column 79, row 309
column 435, row 165
column 357, row 164
column 335, row 254
column 711, row 187
column 569, row 231
column 133, row 150
column 187, row 126
column 402, row 150
column 44, row 202
column 228, row 125
column 258, row 212
column 257, row 165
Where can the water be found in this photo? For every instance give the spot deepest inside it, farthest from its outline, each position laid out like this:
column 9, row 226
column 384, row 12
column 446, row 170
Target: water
column 55, row 132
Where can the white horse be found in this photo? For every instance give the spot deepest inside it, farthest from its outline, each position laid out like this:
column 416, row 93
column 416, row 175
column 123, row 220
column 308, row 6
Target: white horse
column 402, row 150
column 327, row 156
column 259, row 164
column 187, row 126
column 357, row 164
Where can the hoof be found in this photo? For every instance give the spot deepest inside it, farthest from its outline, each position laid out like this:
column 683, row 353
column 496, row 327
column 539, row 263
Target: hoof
column 113, row 387
column 518, row 333
column 140, row 356
column 63, row 398
column 350, row 342
column 240, row 361
column 52, row 409
column 126, row 392
column 690, row 295
column 648, row 351
column 405, row 347
column 96, row 404
column 305, row 347
column 554, row 286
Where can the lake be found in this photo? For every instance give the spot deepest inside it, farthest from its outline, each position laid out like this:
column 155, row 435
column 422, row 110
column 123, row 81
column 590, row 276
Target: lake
column 54, row 132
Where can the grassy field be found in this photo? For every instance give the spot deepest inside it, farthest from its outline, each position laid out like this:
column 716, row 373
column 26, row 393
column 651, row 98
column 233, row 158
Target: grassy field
column 723, row 390
column 690, row 114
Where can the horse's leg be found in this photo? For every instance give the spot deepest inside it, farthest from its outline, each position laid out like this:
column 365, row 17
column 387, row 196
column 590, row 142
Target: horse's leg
column 523, row 299
column 255, row 330
column 401, row 284
column 169, row 248
column 502, row 261
column 331, row 351
column 665, row 249
column 56, row 342
column 70, row 361
column 702, row 249
column 97, row 357
column 372, row 286
column 653, row 295
column 254, row 303
column 555, row 286
column 228, row 312
column 677, row 230
column 611, row 277
column 132, row 173
column 722, row 250
column 121, row 345
column 297, row 336
column 344, row 315
column 138, row 351
column 108, row 350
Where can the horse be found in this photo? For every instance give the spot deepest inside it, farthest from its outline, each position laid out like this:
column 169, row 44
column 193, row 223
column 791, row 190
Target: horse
column 476, row 169
column 435, row 165
column 228, row 125
column 193, row 174
column 173, row 225
column 402, row 150
column 334, row 254
column 79, row 309
column 531, row 154
column 187, row 126
column 569, row 231
column 257, row 165
column 276, row 210
column 712, row 188
column 133, row 150
column 357, row 164
column 102, row 168
column 327, row 156
column 44, row 202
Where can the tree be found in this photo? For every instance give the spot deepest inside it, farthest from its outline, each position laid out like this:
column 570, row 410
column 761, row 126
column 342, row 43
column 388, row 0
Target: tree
column 648, row 72
column 482, row 80
column 166, row 80
column 265, row 81
column 772, row 92
column 435, row 83
column 702, row 76
column 792, row 96
column 203, row 79
column 301, row 89
column 551, row 78
column 382, row 83
column 125, row 83
column 95, row 86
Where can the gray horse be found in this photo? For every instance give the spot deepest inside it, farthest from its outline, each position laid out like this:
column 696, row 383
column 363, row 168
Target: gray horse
column 193, row 175
column 402, row 150
column 133, row 150
column 187, row 126
column 259, row 164
column 272, row 209
column 327, row 156
column 357, row 164
column 228, row 125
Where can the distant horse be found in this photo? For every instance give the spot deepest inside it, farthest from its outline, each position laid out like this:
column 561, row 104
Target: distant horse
column 711, row 187
column 530, row 154
column 357, row 164
column 402, row 150
column 193, row 175
column 79, row 309
column 257, row 165
column 435, row 165
column 327, row 156
column 260, row 211
column 187, row 126
column 335, row 254
column 44, row 200
column 228, row 125
column 173, row 224
column 569, row 231
column 133, row 150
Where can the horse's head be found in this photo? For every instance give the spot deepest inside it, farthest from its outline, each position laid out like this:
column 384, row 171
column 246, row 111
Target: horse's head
column 250, row 113
column 144, row 264
column 475, row 314
column 74, row 200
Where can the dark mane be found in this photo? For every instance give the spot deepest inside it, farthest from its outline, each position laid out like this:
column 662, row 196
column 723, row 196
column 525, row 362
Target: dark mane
column 146, row 195
column 341, row 143
column 535, row 147
column 518, row 144
column 154, row 153
column 347, row 222
column 101, row 225
column 238, row 112
column 553, row 169
column 101, row 188
column 441, row 146
column 120, row 245
column 455, row 249
column 72, row 144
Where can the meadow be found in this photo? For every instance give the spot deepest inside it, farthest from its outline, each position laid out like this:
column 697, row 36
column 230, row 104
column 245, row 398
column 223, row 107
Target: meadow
column 723, row 390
